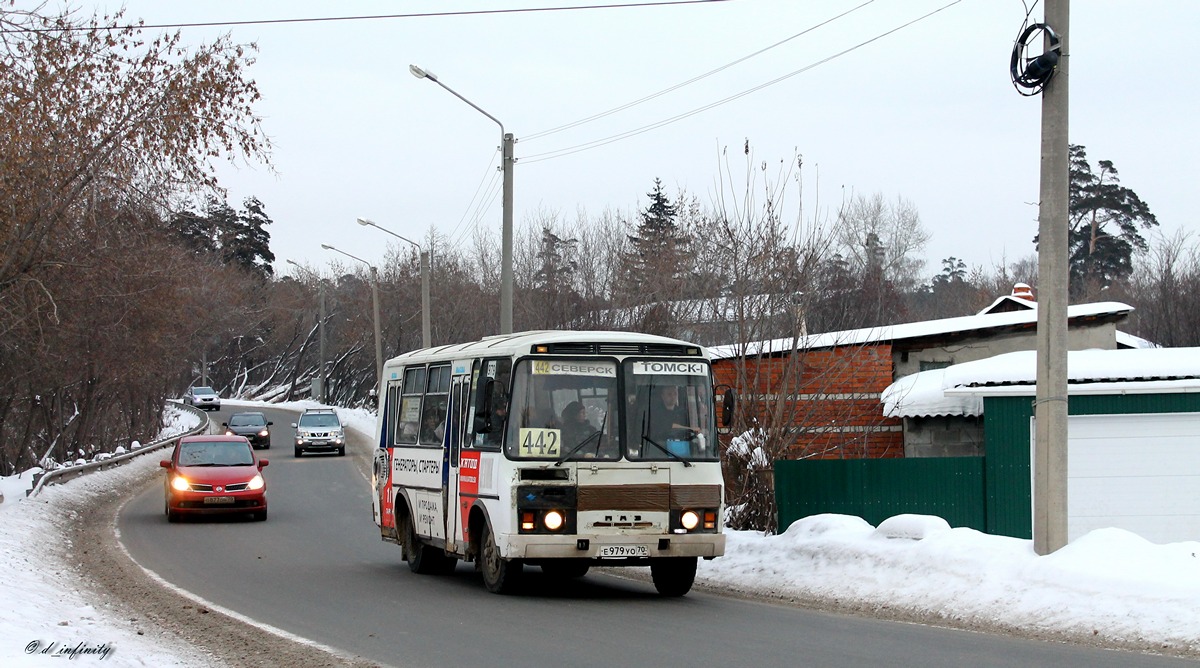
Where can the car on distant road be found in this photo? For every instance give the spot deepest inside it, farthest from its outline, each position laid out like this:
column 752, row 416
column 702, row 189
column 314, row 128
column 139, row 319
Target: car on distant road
column 202, row 397
column 254, row 426
column 319, row 429
column 210, row 474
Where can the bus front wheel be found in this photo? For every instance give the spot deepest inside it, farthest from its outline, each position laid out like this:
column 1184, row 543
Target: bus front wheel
column 673, row 576
column 500, row 575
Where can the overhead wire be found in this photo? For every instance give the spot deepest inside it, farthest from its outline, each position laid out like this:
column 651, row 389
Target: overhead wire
column 485, row 203
column 482, row 179
column 372, row 17
column 570, row 150
column 567, row 126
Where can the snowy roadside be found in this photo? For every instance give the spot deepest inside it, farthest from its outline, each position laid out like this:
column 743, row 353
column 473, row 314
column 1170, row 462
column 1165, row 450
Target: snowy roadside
column 67, row 584
column 47, row 610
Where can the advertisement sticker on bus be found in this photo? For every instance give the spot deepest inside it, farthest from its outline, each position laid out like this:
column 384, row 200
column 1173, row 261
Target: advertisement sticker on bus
column 655, row 367
column 574, row 368
column 410, row 409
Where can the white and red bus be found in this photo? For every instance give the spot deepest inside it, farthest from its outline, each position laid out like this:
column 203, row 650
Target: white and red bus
column 562, row 450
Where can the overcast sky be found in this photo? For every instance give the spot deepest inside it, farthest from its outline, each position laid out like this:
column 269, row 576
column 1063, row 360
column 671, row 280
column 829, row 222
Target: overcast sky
column 926, row 113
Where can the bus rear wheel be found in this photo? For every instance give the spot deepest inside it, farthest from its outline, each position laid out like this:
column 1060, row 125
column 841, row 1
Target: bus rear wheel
column 422, row 558
column 500, row 575
column 673, row 576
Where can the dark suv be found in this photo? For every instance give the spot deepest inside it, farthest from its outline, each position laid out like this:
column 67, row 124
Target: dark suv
column 319, row 430
column 254, row 426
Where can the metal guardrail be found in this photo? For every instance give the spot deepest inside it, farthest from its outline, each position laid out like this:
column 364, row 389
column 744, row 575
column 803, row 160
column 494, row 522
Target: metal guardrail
column 69, row 472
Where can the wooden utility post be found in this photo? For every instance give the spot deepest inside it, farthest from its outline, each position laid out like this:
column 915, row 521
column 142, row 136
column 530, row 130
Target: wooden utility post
column 1050, row 411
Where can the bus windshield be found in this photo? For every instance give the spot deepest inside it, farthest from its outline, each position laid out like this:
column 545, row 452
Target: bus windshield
column 669, row 413
column 563, row 409
column 571, row 409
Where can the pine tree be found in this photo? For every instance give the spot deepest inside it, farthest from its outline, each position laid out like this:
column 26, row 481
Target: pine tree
column 1105, row 218
column 239, row 238
column 250, row 243
column 654, row 267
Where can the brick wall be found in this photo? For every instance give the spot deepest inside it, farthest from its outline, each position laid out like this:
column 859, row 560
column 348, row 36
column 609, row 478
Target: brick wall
column 823, row 403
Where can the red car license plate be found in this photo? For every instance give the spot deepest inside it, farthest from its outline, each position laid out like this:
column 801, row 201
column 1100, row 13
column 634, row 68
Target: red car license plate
column 218, row 499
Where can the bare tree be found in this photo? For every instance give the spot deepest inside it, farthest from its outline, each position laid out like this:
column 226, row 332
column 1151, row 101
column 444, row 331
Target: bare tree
column 873, row 234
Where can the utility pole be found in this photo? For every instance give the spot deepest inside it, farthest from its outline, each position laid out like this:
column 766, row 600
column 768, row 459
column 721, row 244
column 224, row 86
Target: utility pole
column 1050, row 408
column 324, row 393
column 506, row 244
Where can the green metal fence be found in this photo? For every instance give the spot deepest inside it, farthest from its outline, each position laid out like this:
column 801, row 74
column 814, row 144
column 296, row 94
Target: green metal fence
column 876, row 489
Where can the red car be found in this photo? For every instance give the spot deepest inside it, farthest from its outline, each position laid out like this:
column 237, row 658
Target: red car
column 214, row 475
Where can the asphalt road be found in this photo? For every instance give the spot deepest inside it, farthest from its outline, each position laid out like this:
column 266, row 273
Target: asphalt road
column 317, row 568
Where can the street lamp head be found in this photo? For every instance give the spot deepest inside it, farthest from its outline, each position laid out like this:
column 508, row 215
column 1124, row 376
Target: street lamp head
column 291, row 261
column 366, row 222
column 422, row 74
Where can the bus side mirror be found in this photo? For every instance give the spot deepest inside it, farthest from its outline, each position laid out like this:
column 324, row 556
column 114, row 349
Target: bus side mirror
column 483, row 410
column 728, row 403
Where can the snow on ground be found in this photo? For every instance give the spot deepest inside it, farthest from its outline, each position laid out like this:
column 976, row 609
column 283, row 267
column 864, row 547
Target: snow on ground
column 1109, row 583
column 44, row 617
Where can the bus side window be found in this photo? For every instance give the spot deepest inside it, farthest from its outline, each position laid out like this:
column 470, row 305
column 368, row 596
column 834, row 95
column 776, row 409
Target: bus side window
column 408, row 418
column 433, row 416
column 392, row 413
column 497, row 372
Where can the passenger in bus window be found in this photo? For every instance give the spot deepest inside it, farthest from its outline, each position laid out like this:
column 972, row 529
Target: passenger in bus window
column 432, row 427
column 575, row 425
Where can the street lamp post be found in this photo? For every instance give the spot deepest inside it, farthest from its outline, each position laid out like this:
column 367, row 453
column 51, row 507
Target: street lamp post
column 375, row 304
column 506, row 234
column 322, row 393
column 425, row 314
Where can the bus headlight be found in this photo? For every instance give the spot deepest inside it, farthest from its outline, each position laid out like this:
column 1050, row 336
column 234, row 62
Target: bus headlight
column 180, row 484
column 694, row 520
column 553, row 520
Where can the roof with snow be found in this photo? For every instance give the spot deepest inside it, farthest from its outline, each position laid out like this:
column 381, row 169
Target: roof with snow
column 914, row 330
column 959, row 389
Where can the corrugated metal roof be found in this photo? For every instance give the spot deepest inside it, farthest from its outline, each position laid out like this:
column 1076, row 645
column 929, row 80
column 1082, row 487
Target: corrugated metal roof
column 959, row 389
column 914, row 330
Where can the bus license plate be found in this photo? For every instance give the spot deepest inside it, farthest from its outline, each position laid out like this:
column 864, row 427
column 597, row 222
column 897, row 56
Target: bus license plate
column 623, row 551
column 218, row 499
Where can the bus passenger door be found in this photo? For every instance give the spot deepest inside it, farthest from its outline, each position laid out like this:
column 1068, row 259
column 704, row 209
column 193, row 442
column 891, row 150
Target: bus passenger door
column 456, row 416
column 382, row 468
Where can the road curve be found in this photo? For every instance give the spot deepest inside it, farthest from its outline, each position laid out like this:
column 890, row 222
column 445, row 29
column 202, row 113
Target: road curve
column 317, row 569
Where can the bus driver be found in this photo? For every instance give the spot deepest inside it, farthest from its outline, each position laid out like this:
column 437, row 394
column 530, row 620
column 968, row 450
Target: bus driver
column 668, row 419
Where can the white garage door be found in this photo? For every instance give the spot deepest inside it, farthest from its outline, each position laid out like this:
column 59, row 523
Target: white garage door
column 1135, row 472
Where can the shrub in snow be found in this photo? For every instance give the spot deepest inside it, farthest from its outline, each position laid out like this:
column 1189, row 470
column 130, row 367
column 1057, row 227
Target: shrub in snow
column 747, row 469
column 134, row 445
column 120, row 450
column 79, row 462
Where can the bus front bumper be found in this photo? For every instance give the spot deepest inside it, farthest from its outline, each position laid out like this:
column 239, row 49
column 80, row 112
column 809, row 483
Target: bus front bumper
column 617, row 549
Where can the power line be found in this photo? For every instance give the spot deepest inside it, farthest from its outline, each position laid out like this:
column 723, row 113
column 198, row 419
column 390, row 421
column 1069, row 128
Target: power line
column 548, row 155
column 373, row 17
column 693, row 80
column 480, row 189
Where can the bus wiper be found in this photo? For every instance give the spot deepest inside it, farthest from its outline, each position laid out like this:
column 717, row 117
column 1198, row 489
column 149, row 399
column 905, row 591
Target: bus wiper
column 598, row 435
column 647, row 439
